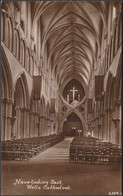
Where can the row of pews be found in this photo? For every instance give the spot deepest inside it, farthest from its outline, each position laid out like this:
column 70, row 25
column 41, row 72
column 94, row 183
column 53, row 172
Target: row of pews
column 92, row 150
column 25, row 149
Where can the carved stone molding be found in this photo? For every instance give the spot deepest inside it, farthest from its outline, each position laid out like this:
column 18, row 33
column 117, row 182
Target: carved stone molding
column 8, row 15
column 109, row 109
column 22, row 108
column 17, row 5
column 32, row 38
column 101, row 114
column 6, row 100
column 117, row 102
column 34, row 113
column 12, row 119
column 99, row 125
column 115, row 121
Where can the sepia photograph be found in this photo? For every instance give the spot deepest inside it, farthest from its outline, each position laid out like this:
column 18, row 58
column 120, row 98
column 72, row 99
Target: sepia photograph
column 61, row 106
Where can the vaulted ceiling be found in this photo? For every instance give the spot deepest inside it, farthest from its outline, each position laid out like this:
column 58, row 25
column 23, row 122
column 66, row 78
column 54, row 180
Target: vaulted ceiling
column 71, row 36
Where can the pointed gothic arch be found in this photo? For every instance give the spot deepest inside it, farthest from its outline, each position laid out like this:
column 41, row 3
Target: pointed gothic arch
column 21, row 82
column 7, row 81
column 10, row 33
column 67, row 114
column 72, row 124
column 17, row 44
column 7, row 97
column 21, row 107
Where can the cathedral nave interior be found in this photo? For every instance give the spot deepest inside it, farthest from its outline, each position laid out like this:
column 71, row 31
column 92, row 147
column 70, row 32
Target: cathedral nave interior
column 61, row 95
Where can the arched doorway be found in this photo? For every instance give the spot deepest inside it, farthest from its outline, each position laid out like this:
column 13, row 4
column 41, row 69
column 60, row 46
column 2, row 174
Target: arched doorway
column 72, row 125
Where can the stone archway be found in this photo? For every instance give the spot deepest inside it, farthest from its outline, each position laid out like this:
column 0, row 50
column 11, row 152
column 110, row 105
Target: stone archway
column 6, row 98
column 20, row 110
column 61, row 123
column 72, row 125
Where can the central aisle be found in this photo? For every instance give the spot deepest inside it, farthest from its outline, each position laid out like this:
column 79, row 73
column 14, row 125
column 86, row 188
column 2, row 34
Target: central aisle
column 57, row 153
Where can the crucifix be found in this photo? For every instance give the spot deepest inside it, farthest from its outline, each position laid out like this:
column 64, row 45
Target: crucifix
column 73, row 90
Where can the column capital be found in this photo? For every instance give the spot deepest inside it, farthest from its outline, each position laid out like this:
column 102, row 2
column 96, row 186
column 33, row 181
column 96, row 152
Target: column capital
column 6, row 100
column 22, row 108
column 11, row 118
column 117, row 102
column 101, row 114
column 9, row 15
column 34, row 113
column 108, row 109
column 115, row 121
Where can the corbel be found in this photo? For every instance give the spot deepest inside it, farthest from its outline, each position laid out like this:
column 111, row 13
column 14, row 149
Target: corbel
column 115, row 121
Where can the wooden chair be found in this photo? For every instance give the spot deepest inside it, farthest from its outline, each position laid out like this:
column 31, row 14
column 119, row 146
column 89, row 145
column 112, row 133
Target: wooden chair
column 80, row 155
column 88, row 155
column 72, row 154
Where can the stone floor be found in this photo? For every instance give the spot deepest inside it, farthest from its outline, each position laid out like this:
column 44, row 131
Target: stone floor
column 50, row 173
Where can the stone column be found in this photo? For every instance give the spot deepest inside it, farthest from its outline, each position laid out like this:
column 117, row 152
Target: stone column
column 19, row 123
column 52, row 127
column 40, row 126
column 43, row 126
column 96, row 128
column 120, row 126
column 26, row 122
column 6, row 112
column 49, row 128
column 111, row 126
column 22, row 122
column 103, row 126
column 36, row 124
column 12, row 122
column 106, row 129
column 117, row 122
column 9, row 125
column 46, row 126
column 56, row 127
column 31, row 124
column 6, row 31
column 4, row 119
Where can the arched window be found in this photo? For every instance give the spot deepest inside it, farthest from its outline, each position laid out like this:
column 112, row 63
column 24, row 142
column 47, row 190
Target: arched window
column 108, row 57
column 119, row 32
column 9, row 34
column 111, row 50
column 23, row 53
column 27, row 60
column 105, row 65
column 23, row 15
column 31, row 67
column 17, row 45
column 115, row 41
column 2, row 26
